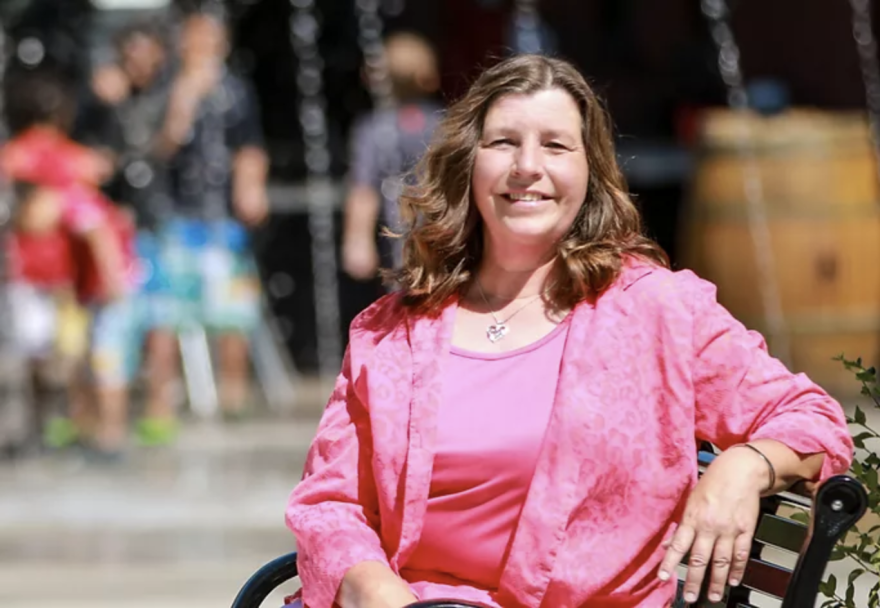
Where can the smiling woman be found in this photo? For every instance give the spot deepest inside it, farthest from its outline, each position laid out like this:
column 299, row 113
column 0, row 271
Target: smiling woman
column 532, row 127
column 518, row 424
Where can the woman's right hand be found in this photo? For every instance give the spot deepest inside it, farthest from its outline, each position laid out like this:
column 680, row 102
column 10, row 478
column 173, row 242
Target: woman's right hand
column 373, row 585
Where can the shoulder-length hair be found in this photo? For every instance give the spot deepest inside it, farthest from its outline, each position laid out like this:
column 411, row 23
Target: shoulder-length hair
column 443, row 229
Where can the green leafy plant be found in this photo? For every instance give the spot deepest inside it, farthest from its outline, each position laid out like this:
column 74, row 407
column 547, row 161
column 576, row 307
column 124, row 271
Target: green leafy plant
column 862, row 544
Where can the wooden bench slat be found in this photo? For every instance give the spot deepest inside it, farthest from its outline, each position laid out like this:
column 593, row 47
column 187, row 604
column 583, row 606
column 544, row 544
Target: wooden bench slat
column 767, row 578
column 781, row 532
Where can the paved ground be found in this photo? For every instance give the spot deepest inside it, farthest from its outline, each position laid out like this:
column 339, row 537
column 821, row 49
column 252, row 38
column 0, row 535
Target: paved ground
column 181, row 528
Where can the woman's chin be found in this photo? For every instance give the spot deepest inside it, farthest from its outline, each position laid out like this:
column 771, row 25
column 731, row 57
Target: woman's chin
column 530, row 231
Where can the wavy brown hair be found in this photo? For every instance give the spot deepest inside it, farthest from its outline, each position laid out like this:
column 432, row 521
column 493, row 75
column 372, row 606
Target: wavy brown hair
column 443, row 229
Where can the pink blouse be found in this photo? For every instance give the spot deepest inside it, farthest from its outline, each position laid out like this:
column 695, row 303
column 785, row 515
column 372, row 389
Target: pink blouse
column 647, row 368
column 490, row 427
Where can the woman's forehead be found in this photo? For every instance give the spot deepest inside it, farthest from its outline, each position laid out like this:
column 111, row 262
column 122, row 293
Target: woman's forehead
column 548, row 109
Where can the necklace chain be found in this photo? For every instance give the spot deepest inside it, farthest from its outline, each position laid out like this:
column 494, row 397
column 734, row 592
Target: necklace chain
column 497, row 330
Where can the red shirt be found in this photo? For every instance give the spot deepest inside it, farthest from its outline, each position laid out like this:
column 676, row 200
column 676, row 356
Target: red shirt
column 44, row 260
column 64, row 258
column 86, row 210
column 46, row 156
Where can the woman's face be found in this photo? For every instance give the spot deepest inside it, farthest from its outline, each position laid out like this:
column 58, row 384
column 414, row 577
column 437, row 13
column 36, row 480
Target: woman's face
column 530, row 173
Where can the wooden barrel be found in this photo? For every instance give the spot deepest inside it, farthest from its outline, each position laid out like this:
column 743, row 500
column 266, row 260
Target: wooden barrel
column 818, row 173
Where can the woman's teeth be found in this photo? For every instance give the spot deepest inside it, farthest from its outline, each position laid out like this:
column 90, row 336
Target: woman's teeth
column 525, row 196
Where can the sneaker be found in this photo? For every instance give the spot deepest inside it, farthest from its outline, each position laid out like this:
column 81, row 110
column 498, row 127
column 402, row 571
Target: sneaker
column 156, row 432
column 60, row 432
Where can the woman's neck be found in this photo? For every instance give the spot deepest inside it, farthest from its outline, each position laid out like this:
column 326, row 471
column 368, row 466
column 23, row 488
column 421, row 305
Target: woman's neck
column 520, row 275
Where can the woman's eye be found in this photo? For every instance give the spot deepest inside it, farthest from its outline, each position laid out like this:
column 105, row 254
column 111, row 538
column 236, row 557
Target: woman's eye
column 556, row 145
column 502, row 142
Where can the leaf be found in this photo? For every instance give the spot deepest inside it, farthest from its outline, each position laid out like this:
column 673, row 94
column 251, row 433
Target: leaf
column 859, row 440
column 859, row 416
column 827, row 588
column 874, row 596
column 868, row 375
column 857, row 469
column 871, row 480
column 853, row 576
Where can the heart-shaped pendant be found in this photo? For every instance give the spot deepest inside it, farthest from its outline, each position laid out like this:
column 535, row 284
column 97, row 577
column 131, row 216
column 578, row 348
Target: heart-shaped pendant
column 496, row 331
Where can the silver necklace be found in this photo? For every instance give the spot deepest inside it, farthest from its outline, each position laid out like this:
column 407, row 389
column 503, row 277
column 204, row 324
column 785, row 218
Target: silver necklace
column 499, row 328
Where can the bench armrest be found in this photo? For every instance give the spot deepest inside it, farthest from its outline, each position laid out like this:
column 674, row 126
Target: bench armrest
column 839, row 503
column 265, row 580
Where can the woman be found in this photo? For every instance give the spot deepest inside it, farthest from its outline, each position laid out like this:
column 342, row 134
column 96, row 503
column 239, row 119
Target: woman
column 518, row 427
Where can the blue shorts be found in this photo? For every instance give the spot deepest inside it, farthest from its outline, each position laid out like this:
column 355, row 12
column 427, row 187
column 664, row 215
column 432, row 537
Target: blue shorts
column 199, row 273
column 115, row 342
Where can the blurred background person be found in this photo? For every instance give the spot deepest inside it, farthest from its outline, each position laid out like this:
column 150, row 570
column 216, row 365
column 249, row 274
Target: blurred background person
column 385, row 145
column 130, row 100
column 205, row 275
column 131, row 95
column 67, row 239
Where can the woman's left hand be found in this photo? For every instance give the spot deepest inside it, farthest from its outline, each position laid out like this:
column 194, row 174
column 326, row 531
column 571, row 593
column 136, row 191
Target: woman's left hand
column 718, row 524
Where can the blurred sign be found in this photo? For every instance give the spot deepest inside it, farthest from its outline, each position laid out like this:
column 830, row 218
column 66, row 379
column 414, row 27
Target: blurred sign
column 110, row 5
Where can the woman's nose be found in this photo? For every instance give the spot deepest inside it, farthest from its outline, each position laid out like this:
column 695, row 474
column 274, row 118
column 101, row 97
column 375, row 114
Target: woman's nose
column 527, row 161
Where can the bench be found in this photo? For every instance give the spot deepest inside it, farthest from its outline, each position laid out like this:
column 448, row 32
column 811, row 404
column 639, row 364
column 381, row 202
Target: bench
column 839, row 503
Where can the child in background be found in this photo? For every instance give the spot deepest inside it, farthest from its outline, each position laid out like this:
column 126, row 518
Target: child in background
column 47, row 327
column 66, row 228
column 63, row 223
column 99, row 252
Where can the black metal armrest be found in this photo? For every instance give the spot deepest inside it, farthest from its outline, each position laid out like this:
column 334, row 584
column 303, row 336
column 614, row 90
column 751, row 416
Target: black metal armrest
column 442, row 604
column 839, row 504
column 265, row 580
column 280, row 570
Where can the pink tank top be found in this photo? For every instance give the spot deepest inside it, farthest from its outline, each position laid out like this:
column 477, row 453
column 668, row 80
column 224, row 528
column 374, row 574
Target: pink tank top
column 490, row 428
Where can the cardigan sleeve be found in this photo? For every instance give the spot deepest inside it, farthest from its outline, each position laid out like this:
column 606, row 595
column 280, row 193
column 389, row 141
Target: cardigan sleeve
column 333, row 511
column 742, row 393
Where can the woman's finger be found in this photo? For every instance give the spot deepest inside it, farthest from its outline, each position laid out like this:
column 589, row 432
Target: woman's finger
column 701, row 554
column 742, row 546
column 722, row 560
column 677, row 548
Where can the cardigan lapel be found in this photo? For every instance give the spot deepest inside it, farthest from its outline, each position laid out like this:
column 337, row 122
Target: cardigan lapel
column 563, row 473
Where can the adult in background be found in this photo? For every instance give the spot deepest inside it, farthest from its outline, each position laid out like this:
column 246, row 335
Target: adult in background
column 385, row 144
column 212, row 141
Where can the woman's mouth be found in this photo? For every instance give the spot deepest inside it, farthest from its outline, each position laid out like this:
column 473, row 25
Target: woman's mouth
column 526, row 198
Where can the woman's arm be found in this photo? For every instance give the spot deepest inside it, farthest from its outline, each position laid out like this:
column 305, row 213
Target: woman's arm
column 742, row 394
column 373, row 585
column 792, row 428
column 789, row 467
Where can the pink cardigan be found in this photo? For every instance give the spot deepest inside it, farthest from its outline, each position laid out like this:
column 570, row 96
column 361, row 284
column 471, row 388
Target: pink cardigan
column 652, row 365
